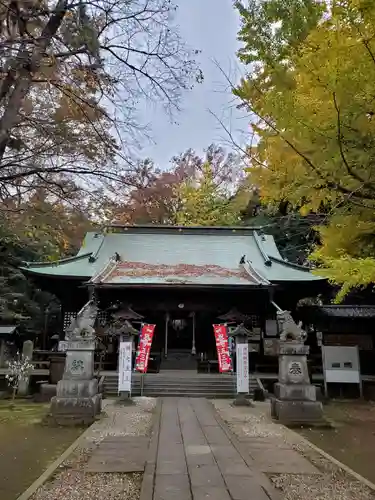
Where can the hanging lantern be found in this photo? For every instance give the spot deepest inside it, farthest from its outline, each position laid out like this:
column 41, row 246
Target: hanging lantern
column 178, row 324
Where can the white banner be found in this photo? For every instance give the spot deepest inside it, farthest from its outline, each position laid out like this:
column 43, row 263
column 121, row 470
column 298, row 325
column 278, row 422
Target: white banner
column 125, row 367
column 242, row 368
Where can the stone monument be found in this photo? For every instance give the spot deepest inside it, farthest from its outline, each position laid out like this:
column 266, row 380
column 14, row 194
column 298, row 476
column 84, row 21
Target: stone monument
column 295, row 397
column 77, row 400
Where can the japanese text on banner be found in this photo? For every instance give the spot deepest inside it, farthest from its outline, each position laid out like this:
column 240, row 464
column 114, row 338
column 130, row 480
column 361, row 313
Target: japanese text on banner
column 144, row 348
column 222, row 346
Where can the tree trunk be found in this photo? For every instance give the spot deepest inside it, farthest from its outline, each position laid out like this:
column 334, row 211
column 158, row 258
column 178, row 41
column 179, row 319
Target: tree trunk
column 30, row 64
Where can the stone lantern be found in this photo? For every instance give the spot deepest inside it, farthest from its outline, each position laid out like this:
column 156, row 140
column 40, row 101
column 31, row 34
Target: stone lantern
column 241, row 336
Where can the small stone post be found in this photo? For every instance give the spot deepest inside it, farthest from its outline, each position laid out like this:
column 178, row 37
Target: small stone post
column 241, row 336
column 295, row 397
column 27, row 353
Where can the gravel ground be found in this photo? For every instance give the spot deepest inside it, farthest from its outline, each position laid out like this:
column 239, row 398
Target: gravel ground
column 332, row 484
column 70, row 481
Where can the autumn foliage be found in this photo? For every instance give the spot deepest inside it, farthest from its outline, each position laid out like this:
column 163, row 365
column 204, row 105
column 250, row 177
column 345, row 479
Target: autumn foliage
column 311, row 99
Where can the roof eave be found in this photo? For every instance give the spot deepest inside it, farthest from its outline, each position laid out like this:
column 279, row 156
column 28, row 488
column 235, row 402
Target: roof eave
column 56, row 263
column 36, row 273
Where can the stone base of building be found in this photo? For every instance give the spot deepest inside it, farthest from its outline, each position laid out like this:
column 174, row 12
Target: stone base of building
column 75, row 411
column 290, row 412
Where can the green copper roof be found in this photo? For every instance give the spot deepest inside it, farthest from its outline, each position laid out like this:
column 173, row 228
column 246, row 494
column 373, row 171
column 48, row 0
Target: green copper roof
column 170, row 255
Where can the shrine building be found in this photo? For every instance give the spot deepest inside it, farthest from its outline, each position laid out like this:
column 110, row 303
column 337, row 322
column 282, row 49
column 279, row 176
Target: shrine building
column 183, row 280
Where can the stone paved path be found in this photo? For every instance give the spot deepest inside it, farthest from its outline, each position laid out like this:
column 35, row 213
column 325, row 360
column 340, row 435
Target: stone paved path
column 123, row 454
column 198, row 458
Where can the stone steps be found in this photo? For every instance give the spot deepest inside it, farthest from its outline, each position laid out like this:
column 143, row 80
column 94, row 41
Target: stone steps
column 160, row 385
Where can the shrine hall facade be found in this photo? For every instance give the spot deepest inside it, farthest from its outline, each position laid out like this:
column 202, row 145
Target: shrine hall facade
column 182, row 279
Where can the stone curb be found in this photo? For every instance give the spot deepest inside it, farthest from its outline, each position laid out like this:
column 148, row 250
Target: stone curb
column 332, row 459
column 52, row 468
column 147, row 488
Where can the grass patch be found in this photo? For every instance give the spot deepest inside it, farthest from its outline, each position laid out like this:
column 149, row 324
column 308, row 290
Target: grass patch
column 27, row 446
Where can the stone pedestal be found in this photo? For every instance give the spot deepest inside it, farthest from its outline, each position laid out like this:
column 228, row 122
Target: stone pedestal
column 77, row 401
column 295, row 398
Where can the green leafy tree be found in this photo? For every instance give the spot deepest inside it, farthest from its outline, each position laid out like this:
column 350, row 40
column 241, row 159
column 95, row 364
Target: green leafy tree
column 313, row 107
column 205, row 203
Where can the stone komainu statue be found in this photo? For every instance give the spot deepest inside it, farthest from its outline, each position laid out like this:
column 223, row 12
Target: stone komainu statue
column 289, row 330
column 82, row 326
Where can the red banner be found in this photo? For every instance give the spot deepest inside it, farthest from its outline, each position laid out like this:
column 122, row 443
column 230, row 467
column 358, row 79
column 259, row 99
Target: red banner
column 144, row 348
column 222, row 346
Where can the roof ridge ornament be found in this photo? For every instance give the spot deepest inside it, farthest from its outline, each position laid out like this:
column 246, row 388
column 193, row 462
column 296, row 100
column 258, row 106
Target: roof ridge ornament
column 106, row 270
column 253, row 273
column 266, row 257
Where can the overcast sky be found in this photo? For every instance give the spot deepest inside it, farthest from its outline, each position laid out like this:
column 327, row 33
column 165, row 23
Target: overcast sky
column 210, row 26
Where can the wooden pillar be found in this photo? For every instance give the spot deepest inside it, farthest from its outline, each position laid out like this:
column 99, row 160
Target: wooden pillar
column 166, row 335
column 193, row 348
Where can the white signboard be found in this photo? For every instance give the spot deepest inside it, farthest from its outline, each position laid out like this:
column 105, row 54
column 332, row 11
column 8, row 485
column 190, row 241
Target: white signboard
column 341, row 365
column 242, row 368
column 125, row 367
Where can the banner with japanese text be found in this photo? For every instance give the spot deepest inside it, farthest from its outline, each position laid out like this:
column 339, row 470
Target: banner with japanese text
column 222, row 346
column 144, row 348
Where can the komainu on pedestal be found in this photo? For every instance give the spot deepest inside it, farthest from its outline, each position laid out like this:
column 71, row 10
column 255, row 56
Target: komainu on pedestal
column 295, row 397
column 77, row 400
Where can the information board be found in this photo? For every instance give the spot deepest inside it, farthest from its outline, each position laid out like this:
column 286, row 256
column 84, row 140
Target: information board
column 341, row 365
